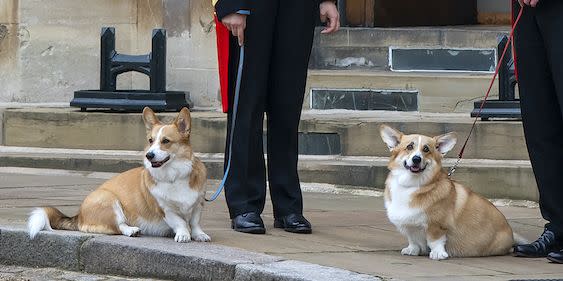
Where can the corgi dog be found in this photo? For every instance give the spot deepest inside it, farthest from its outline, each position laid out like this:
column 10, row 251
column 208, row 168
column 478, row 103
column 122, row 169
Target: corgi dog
column 439, row 217
column 163, row 198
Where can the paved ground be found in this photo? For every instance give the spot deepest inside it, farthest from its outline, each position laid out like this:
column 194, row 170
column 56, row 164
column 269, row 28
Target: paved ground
column 351, row 230
column 19, row 273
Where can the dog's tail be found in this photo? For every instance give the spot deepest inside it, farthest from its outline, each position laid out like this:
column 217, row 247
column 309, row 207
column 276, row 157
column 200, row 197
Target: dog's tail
column 519, row 240
column 49, row 218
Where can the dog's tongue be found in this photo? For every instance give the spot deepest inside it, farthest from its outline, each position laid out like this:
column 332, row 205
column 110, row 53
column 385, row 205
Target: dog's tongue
column 415, row 168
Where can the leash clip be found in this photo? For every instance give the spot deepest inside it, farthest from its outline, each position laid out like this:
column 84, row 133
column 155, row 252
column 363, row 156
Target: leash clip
column 453, row 168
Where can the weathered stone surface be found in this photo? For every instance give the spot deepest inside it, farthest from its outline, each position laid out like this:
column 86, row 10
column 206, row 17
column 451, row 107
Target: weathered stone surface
column 58, row 44
column 162, row 258
column 8, row 11
column 1, row 126
column 20, row 273
column 56, row 49
column 438, row 92
column 358, row 132
column 367, row 48
column 492, row 178
column 48, row 249
column 9, row 70
column 350, row 229
column 296, row 271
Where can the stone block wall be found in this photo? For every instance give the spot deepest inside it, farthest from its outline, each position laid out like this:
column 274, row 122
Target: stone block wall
column 49, row 49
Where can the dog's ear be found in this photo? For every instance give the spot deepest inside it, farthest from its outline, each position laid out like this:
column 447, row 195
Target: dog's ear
column 149, row 118
column 390, row 136
column 445, row 143
column 184, row 122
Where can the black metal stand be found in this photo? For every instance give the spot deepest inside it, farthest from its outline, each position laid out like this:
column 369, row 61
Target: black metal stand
column 112, row 64
column 507, row 106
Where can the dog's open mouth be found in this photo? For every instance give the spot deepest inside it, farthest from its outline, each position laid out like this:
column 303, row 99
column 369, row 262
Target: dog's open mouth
column 156, row 164
column 415, row 168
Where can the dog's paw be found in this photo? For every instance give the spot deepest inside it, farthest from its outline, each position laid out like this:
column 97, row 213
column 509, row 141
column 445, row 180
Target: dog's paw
column 131, row 231
column 201, row 237
column 438, row 255
column 182, row 237
column 410, row 251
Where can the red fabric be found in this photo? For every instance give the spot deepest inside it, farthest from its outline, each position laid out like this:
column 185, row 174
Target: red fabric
column 223, row 37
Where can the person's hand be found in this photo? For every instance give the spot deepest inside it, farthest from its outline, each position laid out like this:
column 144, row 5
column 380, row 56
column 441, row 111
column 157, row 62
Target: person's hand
column 532, row 3
column 236, row 23
column 329, row 14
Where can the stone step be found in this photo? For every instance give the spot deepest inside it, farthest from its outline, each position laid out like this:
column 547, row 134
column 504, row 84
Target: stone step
column 370, row 48
column 345, row 133
column 440, row 92
column 512, row 179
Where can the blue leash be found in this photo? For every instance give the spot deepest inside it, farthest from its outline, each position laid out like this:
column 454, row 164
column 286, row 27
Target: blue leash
column 234, row 118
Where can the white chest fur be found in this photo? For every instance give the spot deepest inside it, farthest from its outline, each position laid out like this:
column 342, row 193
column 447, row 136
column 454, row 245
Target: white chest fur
column 399, row 211
column 176, row 196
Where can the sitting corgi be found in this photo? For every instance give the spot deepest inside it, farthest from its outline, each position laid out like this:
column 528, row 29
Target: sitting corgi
column 439, row 217
column 163, row 197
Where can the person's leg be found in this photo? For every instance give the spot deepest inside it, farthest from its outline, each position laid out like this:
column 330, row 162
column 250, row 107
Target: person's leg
column 288, row 73
column 550, row 23
column 542, row 119
column 245, row 189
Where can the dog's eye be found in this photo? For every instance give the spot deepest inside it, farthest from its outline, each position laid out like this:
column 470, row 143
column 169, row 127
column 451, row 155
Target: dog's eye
column 410, row 146
column 165, row 141
column 426, row 149
column 151, row 140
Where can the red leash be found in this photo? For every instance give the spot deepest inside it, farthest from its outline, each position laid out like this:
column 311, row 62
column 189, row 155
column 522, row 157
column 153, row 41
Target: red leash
column 508, row 43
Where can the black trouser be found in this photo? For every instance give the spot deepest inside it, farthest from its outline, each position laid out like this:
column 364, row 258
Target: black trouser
column 539, row 51
column 278, row 40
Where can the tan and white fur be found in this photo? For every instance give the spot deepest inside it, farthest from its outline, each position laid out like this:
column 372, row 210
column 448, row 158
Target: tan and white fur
column 440, row 217
column 162, row 198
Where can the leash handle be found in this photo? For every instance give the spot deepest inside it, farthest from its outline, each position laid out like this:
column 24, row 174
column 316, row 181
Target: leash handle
column 233, row 122
column 508, row 43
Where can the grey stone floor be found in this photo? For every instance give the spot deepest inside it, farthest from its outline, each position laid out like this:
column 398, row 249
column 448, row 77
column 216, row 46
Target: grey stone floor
column 351, row 230
column 19, row 273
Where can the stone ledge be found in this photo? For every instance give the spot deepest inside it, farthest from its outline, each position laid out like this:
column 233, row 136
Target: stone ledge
column 512, row 179
column 358, row 131
column 155, row 257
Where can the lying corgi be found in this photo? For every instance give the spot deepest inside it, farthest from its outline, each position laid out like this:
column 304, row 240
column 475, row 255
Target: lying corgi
column 163, row 197
column 438, row 216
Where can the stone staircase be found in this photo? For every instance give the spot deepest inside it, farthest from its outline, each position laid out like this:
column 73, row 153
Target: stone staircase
column 351, row 91
column 439, row 69
column 337, row 147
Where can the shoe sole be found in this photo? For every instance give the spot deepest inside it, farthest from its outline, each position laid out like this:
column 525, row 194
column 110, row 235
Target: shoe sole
column 251, row 230
column 555, row 260
column 299, row 230
column 522, row 255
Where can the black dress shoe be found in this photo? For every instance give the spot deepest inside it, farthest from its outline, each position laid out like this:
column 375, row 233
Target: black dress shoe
column 295, row 223
column 248, row 223
column 545, row 244
column 556, row 257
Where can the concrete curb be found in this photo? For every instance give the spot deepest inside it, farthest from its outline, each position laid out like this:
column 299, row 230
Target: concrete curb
column 156, row 258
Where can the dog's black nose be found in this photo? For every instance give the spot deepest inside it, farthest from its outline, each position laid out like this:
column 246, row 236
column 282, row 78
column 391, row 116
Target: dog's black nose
column 150, row 155
column 416, row 159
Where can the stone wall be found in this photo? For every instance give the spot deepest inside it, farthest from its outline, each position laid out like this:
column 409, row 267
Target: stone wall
column 49, row 49
column 9, row 49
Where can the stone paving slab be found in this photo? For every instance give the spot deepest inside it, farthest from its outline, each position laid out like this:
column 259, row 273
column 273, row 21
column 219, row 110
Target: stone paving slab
column 351, row 231
column 20, row 273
